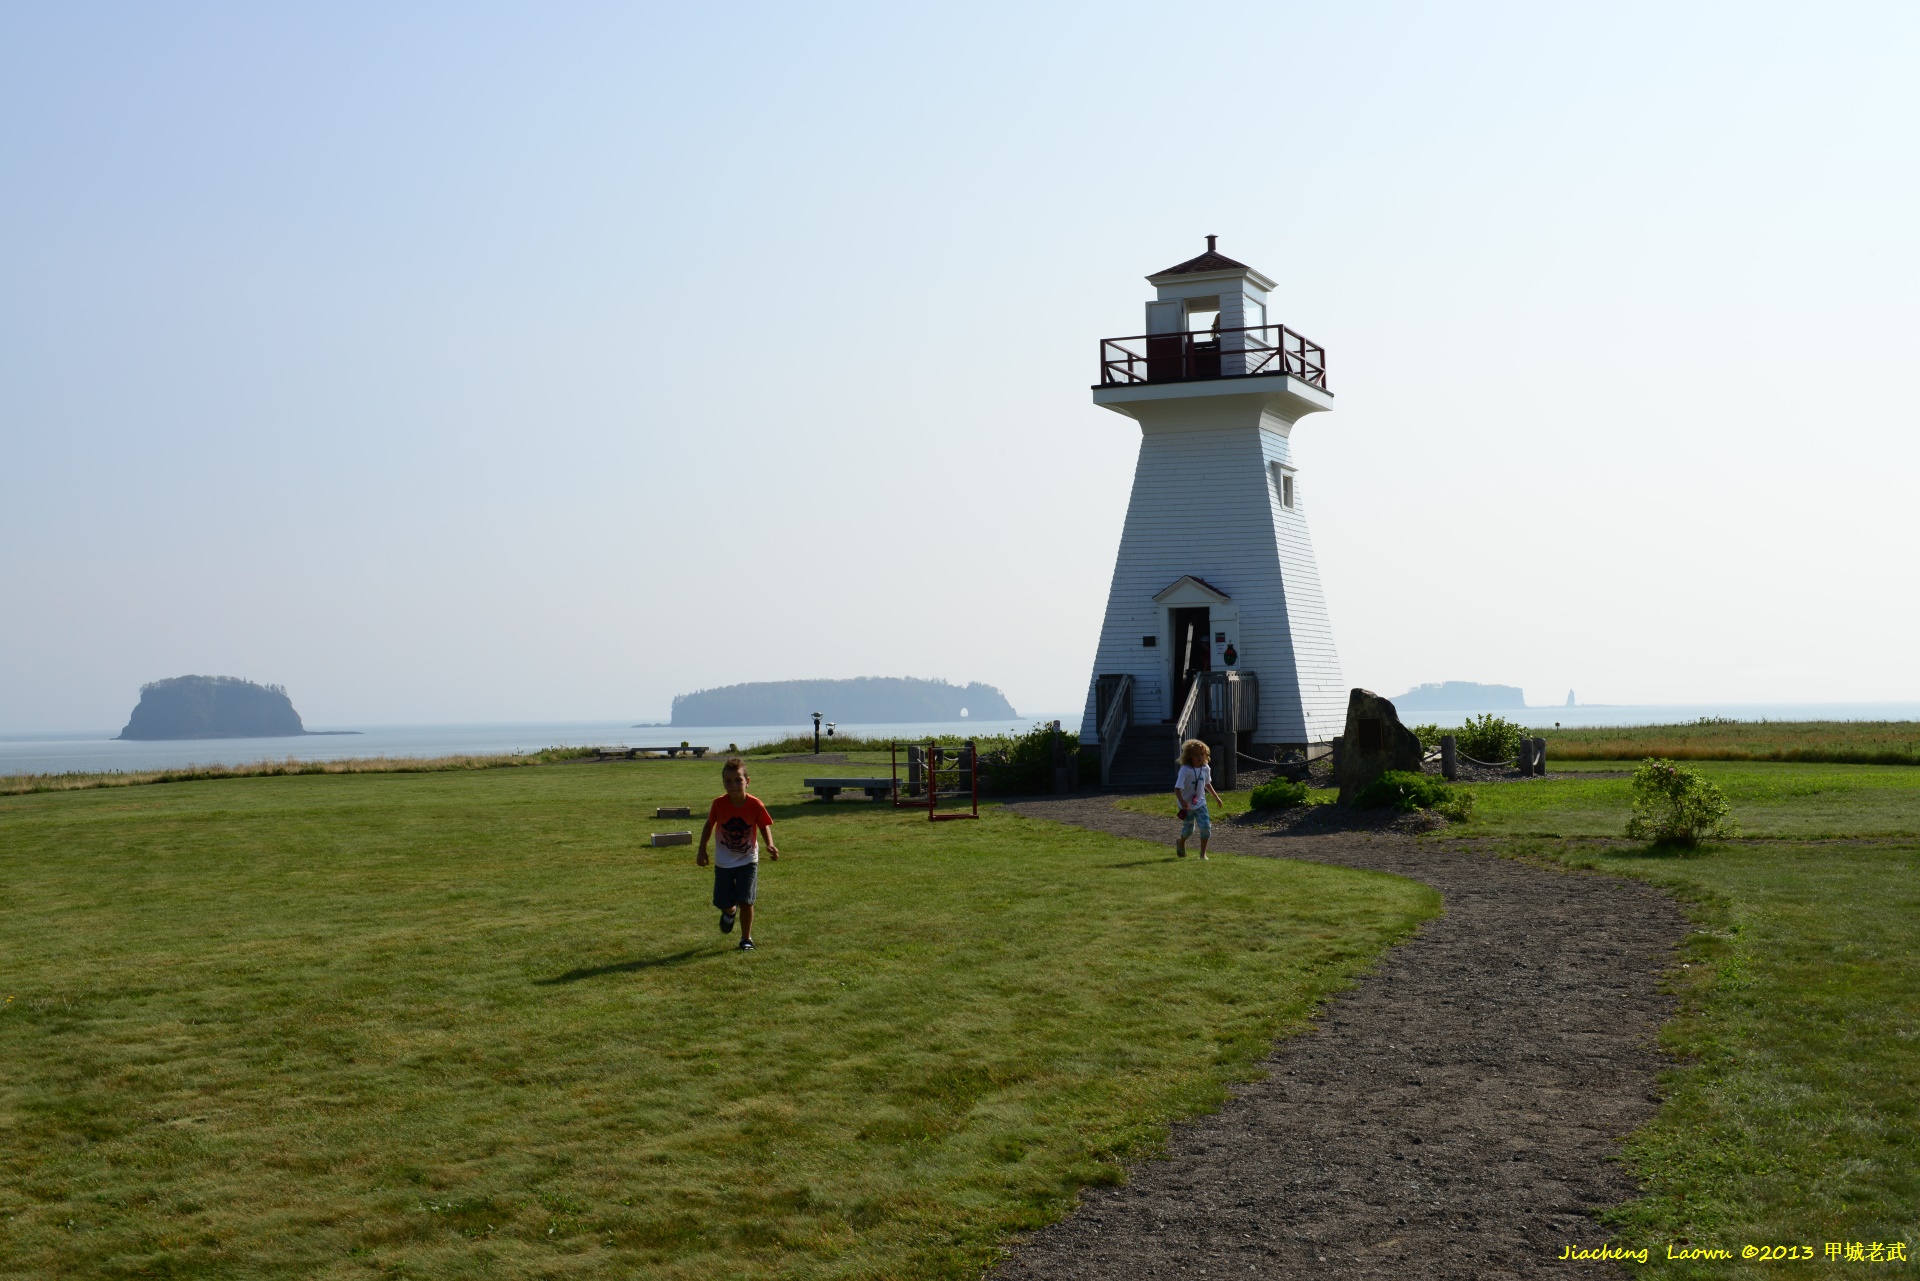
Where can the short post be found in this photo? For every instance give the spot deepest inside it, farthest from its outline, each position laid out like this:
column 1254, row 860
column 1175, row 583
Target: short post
column 1059, row 762
column 1540, row 756
column 913, row 770
column 816, row 733
column 1449, row 757
column 1230, row 754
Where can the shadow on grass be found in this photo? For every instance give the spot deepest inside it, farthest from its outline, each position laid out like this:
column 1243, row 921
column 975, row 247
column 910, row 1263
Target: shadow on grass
column 1142, row 862
column 1665, row 850
column 629, row 967
column 831, row 809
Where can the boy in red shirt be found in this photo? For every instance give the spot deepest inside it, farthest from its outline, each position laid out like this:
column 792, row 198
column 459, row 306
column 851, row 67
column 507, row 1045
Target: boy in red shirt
column 742, row 821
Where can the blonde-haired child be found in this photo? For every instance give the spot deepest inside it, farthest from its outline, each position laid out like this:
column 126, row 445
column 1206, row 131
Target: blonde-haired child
column 1190, row 788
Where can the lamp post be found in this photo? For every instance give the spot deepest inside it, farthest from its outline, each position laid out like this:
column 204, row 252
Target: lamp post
column 816, row 733
column 829, row 729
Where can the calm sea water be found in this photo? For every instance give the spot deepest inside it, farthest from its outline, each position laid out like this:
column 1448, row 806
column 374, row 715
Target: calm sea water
column 99, row 752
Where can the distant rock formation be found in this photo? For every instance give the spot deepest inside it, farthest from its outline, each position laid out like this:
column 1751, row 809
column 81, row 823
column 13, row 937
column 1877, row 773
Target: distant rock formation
column 212, row 707
column 1460, row 696
column 879, row 700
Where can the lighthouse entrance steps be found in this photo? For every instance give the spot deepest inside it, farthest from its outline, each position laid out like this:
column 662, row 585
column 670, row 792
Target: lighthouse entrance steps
column 1145, row 758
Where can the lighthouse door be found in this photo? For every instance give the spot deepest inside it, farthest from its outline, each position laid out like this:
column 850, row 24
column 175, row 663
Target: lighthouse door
column 1192, row 651
column 1166, row 338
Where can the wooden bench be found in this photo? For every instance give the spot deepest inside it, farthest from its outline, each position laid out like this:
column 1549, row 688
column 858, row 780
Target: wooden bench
column 877, row 789
column 608, row 753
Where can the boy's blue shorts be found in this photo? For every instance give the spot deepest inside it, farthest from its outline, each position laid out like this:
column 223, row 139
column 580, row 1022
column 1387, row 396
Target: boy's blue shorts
column 734, row 885
column 1197, row 817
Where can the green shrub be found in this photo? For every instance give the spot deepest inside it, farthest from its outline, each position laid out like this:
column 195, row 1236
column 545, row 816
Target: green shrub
column 1024, row 764
column 1429, row 736
column 1488, row 738
column 1406, row 790
column 1280, row 794
column 1672, row 805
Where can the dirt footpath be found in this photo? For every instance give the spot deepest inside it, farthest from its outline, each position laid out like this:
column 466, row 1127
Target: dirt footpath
column 1456, row 1115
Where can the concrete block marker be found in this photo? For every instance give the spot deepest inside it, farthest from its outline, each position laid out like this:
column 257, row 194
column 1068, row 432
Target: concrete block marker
column 674, row 811
column 673, row 838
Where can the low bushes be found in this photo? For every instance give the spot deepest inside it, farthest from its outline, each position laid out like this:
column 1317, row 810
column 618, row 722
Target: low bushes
column 1280, row 794
column 1024, row 764
column 1489, row 738
column 1672, row 805
column 1406, row 790
column 802, row 744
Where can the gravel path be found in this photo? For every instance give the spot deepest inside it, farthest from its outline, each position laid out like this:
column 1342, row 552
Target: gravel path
column 1453, row 1116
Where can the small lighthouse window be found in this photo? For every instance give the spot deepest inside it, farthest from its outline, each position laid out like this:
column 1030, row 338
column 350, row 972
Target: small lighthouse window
column 1282, row 484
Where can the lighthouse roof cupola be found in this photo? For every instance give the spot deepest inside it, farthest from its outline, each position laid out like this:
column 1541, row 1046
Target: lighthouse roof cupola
column 1183, row 279
column 1207, row 294
column 1208, row 319
column 1226, row 293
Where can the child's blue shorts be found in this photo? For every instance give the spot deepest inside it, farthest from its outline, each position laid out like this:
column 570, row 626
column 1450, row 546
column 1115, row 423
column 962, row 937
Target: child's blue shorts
column 1197, row 818
column 733, row 885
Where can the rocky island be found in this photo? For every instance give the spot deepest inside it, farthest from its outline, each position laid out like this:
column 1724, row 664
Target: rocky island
column 213, row 707
column 876, row 700
column 1460, row 696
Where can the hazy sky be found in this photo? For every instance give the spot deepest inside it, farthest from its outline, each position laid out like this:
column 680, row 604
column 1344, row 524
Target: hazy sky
column 466, row 362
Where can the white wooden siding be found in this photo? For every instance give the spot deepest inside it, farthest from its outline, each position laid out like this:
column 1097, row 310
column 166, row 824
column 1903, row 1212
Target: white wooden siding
column 1202, row 504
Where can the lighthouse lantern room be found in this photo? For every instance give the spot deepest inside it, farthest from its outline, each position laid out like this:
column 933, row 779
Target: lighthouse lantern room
column 1216, row 627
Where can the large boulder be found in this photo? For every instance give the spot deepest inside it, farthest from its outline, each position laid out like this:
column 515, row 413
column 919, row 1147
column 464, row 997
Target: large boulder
column 1374, row 743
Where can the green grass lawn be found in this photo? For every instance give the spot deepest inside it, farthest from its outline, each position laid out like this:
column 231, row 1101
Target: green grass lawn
column 1789, row 801
column 1793, row 1112
column 467, row 1024
column 1859, row 742
column 1793, row 1115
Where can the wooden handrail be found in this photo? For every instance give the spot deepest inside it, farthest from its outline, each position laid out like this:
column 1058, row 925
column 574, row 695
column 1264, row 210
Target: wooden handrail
column 1184, row 728
column 1205, row 353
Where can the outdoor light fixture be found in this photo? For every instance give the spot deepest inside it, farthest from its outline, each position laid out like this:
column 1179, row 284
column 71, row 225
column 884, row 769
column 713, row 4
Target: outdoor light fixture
column 829, row 729
column 816, row 733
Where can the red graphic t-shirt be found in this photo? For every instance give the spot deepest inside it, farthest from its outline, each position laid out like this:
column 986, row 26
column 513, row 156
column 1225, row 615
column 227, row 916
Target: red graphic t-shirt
column 736, row 830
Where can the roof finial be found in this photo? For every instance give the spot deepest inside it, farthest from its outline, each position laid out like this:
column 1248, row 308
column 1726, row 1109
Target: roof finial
column 1210, row 240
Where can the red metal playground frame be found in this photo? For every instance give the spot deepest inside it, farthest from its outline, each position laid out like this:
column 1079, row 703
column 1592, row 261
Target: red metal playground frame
column 934, row 774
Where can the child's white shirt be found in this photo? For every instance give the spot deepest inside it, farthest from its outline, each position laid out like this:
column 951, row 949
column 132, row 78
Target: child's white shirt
column 1190, row 784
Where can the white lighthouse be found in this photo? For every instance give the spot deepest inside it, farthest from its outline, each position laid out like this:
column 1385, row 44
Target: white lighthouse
column 1216, row 626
